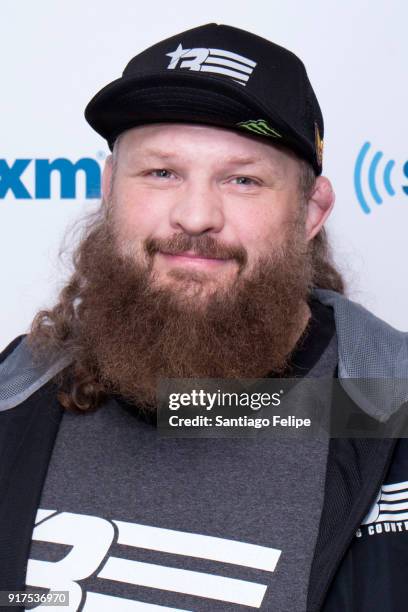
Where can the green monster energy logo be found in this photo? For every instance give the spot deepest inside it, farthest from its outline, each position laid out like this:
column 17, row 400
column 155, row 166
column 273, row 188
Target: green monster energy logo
column 259, row 126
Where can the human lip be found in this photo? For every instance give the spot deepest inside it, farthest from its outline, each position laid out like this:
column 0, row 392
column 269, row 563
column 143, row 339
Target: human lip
column 190, row 257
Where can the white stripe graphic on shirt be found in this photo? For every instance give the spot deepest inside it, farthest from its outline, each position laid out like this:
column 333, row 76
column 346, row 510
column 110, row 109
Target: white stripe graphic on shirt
column 394, row 496
column 198, row 545
column 395, row 518
column 397, row 486
column 90, row 539
column 391, row 500
column 96, row 602
column 184, row 581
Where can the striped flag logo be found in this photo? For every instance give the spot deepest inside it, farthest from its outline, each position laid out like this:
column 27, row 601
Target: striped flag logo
column 102, row 548
column 391, row 504
column 216, row 61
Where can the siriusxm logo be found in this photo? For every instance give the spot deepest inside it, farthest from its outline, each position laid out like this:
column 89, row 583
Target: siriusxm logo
column 374, row 176
column 13, row 182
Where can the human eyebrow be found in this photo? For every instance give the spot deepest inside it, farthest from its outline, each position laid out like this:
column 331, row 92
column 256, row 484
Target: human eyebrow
column 243, row 161
column 154, row 155
column 158, row 154
column 253, row 164
column 258, row 165
column 233, row 160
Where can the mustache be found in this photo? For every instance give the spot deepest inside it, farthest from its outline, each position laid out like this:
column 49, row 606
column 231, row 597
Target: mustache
column 202, row 246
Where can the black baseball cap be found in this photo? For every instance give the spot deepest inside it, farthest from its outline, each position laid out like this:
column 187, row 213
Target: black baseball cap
column 216, row 75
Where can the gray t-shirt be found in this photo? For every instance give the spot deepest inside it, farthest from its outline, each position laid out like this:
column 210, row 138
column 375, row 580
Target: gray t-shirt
column 131, row 521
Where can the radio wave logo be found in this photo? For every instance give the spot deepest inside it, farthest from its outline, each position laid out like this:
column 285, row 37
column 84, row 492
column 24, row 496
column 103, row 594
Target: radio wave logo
column 373, row 177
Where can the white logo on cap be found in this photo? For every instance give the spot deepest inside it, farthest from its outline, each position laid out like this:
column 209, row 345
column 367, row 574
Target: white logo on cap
column 218, row 61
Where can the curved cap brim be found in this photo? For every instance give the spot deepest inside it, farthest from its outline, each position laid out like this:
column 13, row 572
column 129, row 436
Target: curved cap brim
column 186, row 98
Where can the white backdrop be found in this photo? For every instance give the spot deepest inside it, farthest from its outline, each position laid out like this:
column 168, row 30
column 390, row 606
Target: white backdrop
column 56, row 55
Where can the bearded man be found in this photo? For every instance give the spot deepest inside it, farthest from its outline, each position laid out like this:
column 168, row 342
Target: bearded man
column 207, row 258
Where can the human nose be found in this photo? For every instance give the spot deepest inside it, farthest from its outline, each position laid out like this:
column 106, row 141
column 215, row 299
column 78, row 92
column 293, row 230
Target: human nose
column 198, row 209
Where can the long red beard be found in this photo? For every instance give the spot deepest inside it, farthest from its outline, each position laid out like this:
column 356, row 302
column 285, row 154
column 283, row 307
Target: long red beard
column 136, row 333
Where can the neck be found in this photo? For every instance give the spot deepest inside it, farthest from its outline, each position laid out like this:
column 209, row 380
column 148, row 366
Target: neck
column 304, row 317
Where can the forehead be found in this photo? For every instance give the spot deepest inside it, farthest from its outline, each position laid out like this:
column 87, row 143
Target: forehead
column 192, row 142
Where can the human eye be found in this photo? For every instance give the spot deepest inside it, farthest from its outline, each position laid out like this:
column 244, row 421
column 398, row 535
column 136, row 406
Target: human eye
column 246, row 181
column 160, row 173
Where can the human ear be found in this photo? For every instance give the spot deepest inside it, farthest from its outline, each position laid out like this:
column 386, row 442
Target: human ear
column 319, row 206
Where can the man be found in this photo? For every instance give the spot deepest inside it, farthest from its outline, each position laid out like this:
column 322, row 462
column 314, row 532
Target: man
column 208, row 258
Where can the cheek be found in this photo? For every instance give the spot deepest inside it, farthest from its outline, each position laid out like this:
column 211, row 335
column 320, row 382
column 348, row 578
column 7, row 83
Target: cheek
column 136, row 214
column 262, row 228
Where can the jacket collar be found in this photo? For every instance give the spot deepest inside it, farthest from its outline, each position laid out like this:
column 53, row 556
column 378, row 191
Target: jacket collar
column 372, row 356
